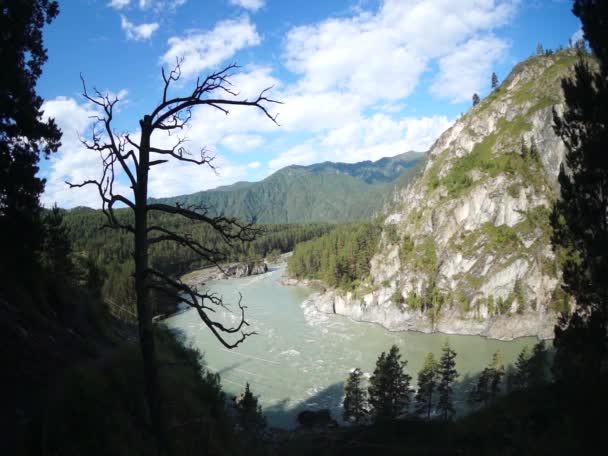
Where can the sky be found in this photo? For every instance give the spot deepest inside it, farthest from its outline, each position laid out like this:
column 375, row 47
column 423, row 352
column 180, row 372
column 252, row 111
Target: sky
column 359, row 80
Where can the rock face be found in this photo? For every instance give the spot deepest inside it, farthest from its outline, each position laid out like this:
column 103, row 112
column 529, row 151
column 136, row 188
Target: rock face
column 246, row 269
column 467, row 248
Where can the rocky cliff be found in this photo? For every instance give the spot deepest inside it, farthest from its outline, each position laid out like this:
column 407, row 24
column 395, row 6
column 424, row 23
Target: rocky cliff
column 467, row 248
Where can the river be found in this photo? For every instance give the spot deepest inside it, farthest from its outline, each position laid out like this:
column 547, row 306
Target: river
column 300, row 357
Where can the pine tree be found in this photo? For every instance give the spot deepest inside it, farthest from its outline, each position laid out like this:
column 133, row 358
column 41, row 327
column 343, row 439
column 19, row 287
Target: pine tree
column 537, row 365
column 521, row 379
column 488, row 383
column 24, row 136
column 539, row 50
column 447, row 375
column 494, row 81
column 57, row 246
column 249, row 414
column 497, row 373
column 579, row 221
column 427, row 385
column 389, row 390
column 355, row 398
column 480, row 394
column 476, row 99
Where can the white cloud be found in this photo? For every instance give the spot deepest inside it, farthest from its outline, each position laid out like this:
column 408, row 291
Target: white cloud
column 207, row 49
column 303, row 154
column 73, row 163
column 254, row 165
column 577, row 36
column 251, row 5
column 242, row 143
column 118, row 4
column 140, row 32
column 468, row 69
column 382, row 136
column 179, row 178
column 382, row 55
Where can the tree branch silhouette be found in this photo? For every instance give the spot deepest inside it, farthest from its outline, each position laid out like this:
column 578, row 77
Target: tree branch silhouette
column 123, row 155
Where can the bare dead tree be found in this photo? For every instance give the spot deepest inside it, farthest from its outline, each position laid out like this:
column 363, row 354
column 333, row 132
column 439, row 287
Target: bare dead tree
column 120, row 154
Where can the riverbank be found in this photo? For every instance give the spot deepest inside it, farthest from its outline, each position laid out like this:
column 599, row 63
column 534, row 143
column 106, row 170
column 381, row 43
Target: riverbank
column 380, row 310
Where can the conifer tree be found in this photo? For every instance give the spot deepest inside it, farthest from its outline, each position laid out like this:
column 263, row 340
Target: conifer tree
column 497, row 373
column 427, row 385
column 539, row 50
column 355, row 398
column 480, row 394
column 579, row 218
column 447, row 375
column 249, row 414
column 537, row 365
column 25, row 135
column 521, row 379
column 476, row 99
column 488, row 383
column 494, row 81
column 389, row 390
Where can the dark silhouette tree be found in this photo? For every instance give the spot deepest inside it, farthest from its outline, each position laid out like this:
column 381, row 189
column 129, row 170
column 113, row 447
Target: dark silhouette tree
column 488, row 383
column 355, row 398
column 447, row 376
column 532, row 368
column 580, row 216
column 389, row 390
column 497, row 373
column 494, row 81
column 539, row 50
column 476, row 99
column 480, row 394
column 427, row 385
column 56, row 248
column 134, row 159
column 521, row 377
column 251, row 421
column 24, row 136
column 538, row 365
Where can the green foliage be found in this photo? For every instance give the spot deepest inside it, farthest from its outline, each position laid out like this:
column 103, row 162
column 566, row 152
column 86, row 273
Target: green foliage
column 428, row 379
column 420, row 256
column 250, row 420
column 494, row 81
column 389, row 389
column 355, row 398
column 520, row 296
column 25, row 136
column 447, row 376
column 489, row 381
column 111, row 251
column 100, row 408
column 532, row 369
column 390, row 231
column 398, row 299
column 579, row 216
column 324, row 192
column 340, row 258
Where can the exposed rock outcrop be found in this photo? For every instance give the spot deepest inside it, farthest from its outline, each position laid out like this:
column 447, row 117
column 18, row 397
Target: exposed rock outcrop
column 467, row 248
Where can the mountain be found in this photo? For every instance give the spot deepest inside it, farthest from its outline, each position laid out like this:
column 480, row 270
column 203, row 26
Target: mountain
column 327, row 192
column 466, row 248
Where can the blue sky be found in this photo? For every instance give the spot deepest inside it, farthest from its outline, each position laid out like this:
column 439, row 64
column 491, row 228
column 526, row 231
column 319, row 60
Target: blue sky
column 359, row 79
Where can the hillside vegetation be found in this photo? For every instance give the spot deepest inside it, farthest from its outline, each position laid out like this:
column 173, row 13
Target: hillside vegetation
column 466, row 248
column 324, row 192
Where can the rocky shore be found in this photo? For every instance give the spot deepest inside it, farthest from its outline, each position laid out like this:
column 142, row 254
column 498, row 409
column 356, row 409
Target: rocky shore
column 228, row 271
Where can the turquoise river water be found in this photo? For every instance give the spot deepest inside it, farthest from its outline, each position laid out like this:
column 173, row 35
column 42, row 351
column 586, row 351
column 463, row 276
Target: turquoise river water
column 300, row 357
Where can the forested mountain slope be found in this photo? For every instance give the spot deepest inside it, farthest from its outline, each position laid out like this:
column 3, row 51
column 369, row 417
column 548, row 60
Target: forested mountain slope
column 467, row 249
column 323, row 192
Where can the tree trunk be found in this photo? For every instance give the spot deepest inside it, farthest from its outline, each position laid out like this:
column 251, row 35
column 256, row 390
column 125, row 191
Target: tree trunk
column 144, row 308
